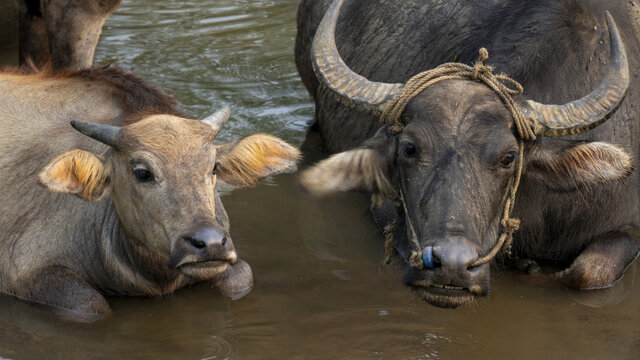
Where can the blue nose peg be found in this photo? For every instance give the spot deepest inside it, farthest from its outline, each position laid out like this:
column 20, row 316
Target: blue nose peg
column 427, row 257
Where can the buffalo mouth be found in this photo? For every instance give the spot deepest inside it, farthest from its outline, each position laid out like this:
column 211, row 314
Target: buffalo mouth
column 446, row 296
column 204, row 269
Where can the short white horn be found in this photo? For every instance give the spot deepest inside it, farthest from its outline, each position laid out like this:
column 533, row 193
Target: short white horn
column 218, row 119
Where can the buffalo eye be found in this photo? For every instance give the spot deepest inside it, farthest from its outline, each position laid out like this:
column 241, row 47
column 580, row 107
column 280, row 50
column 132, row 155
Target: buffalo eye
column 143, row 175
column 508, row 159
column 215, row 167
column 409, row 149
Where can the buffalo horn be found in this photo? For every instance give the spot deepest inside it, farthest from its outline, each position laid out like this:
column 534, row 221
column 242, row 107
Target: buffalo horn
column 592, row 110
column 351, row 89
column 106, row 134
column 218, row 119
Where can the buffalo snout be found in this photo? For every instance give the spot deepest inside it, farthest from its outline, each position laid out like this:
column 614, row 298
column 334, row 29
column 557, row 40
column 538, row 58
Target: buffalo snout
column 209, row 244
column 206, row 246
column 454, row 258
column 448, row 278
column 206, row 238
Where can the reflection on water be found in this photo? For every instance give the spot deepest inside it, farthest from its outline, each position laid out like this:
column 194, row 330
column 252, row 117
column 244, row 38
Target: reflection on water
column 320, row 290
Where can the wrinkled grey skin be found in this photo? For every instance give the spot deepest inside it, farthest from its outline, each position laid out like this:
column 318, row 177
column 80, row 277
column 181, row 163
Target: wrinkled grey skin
column 125, row 236
column 454, row 182
column 64, row 32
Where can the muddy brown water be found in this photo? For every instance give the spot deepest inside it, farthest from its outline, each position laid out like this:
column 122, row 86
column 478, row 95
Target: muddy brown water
column 320, row 290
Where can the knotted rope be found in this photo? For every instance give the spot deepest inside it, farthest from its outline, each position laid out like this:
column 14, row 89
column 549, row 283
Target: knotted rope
column 502, row 85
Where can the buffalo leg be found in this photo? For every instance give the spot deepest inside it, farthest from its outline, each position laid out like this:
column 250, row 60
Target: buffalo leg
column 67, row 294
column 236, row 281
column 74, row 28
column 33, row 43
column 603, row 262
column 528, row 266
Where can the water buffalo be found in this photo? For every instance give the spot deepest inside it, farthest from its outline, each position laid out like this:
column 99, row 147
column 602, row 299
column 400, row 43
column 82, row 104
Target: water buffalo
column 62, row 32
column 146, row 218
column 444, row 172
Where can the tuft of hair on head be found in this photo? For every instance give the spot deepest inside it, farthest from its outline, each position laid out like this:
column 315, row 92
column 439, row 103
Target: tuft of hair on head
column 77, row 172
column 246, row 161
column 357, row 169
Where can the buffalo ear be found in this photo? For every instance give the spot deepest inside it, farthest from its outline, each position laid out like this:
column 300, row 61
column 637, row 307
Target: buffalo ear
column 569, row 165
column 246, row 161
column 77, row 172
column 365, row 168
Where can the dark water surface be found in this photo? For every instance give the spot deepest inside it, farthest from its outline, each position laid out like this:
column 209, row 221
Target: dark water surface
column 320, row 290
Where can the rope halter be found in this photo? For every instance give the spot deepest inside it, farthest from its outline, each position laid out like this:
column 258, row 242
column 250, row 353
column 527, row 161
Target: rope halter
column 506, row 88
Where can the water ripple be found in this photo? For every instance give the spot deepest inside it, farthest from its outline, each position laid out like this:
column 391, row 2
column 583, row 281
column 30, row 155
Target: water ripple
column 229, row 53
column 383, row 332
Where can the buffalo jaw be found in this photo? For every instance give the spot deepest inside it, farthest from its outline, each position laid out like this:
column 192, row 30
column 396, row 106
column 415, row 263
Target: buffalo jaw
column 444, row 296
column 442, row 289
column 231, row 275
column 204, row 270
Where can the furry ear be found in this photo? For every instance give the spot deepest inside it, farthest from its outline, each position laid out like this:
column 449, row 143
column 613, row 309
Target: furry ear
column 77, row 172
column 566, row 166
column 357, row 169
column 366, row 168
column 245, row 162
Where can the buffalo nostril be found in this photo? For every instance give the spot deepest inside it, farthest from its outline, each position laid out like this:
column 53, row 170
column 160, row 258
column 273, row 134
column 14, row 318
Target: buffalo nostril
column 207, row 238
column 455, row 257
column 198, row 244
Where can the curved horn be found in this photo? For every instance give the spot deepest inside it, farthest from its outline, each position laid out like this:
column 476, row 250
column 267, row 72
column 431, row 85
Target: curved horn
column 106, row 134
column 592, row 110
column 218, row 119
column 353, row 90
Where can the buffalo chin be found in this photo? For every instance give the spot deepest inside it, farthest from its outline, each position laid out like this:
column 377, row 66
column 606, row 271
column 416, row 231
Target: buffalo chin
column 204, row 270
column 449, row 297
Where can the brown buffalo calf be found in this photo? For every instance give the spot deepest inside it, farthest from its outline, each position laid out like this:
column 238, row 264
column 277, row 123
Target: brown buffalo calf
column 145, row 219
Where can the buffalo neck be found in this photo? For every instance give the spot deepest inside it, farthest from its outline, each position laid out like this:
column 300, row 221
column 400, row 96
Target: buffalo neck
column 130, row 267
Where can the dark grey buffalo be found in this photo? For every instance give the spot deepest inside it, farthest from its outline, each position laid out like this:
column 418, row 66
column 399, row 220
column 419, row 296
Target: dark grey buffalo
column 62, row 32
column 450, row 161
column 146, row 218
